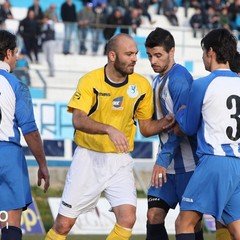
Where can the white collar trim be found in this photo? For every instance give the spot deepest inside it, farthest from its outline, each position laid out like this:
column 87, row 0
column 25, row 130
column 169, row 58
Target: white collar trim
column 4, row 66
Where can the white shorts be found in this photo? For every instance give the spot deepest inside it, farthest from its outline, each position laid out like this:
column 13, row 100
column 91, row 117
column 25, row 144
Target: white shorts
column 92, row 173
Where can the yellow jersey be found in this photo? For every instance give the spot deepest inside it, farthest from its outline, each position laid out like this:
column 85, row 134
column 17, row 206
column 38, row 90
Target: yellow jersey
column 118, row 105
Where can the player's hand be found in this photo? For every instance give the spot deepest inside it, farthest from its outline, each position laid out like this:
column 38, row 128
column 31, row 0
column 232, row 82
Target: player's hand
column 119, row 140
column 158, row 176
column 169, row 122
column 177, row 130
column 44, row 174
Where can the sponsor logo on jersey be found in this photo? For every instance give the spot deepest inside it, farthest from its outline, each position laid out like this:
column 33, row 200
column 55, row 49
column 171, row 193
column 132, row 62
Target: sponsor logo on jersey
column 66, row 204
column 186, row 199
column 77, row 95
column 132, row 91
column 117, row 103
column 104, row 94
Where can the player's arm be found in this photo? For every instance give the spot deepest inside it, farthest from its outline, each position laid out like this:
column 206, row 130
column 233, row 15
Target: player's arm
column 152, row 127
column 82, row 122
column 164, row 159
column 26, row 121
column 34, row 142
column 189, row 117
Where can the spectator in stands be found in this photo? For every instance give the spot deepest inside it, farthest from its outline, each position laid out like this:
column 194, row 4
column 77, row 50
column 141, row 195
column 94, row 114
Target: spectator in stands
column 21, row 70
column 38, row 13
column 51, row 13
column 131, row 20
column 103, row 3
column 170, row 8
column 114, row 20
column 84, row 18
column 29, row 31
column 233, row 12
column 224, row 19
column 213, row 18
column 159, row 5
column 218, row 5
column 5, row 13
column 48, row 38
column 100, row 15
column 196, row 22
column 143, row 5
column 123, row 5
column 69, row 18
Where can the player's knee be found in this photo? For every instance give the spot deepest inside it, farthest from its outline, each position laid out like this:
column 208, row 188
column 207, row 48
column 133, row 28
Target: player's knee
column 185, row 223
column 127, row 220
column 63, row 226
column 155, row 215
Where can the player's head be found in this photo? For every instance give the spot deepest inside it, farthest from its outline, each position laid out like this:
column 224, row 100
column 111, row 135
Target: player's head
column 160, row 48
column 222, row 42
column 122, row 53
column 160, row 37
column 8, row 50
column 235, row 64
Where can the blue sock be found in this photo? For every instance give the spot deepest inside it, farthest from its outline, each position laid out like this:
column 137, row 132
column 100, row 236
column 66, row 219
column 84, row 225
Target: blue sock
column 156, row 232
column 185, row 236
column 11, row 233
column 199, row 235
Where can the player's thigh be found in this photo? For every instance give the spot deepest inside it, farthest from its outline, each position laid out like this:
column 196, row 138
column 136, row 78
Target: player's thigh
column 120, row 188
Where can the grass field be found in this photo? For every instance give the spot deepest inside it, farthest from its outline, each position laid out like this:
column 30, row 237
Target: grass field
column 95, row 237
column 44, row 210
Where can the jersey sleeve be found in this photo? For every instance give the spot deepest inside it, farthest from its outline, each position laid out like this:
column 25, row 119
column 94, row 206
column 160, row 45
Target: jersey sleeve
column 82, row 97
column 190, row 117
column 145, row 107
column 168, row 151
column 24, row 109
column 179, row 88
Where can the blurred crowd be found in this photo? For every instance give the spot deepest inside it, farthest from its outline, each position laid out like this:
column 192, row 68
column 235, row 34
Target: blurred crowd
column 98, row 20
column 214, row 14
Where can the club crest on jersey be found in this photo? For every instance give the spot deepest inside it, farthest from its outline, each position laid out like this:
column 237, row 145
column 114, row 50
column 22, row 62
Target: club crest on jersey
column 132, row 91
column 77, row 95
column 117, row 103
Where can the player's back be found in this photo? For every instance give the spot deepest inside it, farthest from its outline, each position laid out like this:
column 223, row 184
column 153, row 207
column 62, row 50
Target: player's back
column 220, row 112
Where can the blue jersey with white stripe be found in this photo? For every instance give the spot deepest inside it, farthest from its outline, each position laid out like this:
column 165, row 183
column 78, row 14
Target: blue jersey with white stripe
column 16, row 110
column 213, row 112
column 177, row 154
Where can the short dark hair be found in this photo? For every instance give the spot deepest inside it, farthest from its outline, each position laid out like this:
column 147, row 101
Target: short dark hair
column 160, row 37
column 235, row 64
column 223, row 43
column 7, row 41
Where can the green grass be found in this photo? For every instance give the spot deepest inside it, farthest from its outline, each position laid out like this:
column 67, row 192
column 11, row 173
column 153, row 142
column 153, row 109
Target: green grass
column 41, row 199
column 97, row 237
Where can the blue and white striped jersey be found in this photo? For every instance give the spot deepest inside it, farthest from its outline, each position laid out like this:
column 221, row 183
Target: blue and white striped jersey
column 213, row 112
column 177, row 154
column 16, row 110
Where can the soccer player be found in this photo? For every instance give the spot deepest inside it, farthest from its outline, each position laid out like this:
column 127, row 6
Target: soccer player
column 212, row 111
column 177, row 158
column 105, row 107
column 222, row 232
column 16, row 113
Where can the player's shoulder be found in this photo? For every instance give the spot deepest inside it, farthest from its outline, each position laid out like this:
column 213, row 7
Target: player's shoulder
column 136, row 77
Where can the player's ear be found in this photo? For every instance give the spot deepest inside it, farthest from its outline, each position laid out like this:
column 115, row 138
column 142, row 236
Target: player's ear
column 112, row 56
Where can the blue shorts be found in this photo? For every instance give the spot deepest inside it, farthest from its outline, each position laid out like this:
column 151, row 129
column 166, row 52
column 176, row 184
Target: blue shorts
column 171, row 191
column 15, row 191
column 215, row 188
